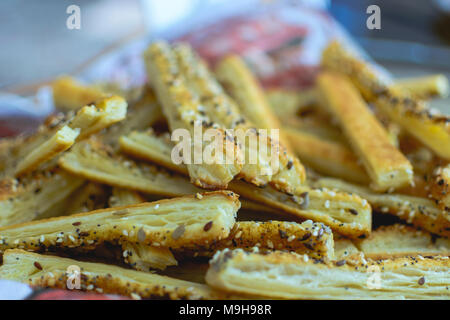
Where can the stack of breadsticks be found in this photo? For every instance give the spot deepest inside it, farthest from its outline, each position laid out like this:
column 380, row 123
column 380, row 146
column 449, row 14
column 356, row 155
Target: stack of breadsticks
column 97, row 188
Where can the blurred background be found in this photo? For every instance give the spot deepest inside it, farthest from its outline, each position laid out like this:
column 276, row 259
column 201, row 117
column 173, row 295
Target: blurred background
column 414, row 38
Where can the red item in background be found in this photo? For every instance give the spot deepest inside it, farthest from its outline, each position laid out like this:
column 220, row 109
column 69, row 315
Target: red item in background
column 6, row 131
column 283, row 47
column 47, row 294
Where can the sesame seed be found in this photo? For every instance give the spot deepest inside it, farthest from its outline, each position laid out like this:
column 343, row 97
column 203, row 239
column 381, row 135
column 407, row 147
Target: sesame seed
column 141, row 235
column 421, row 281
column 178, row 232
column 125, row 233
column 327, row 204
column 208, row 226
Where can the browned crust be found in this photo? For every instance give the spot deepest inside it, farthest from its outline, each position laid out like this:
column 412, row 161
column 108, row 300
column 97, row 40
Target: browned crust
column 314, row 239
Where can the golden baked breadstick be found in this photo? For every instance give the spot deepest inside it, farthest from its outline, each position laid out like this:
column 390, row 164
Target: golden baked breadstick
column 87, row 121
column 344, row 213
column 402, row 241
column 91, row 159
column 385, row 164
column 224, row 111
column 428, row 126
column 331, row 158
column 418, row 211
column 62, row 140
column 145, row 145
column 91, row 119
column 244, row 88
column 47, row 271
column 313, row 239
column 140, row 257
column 69, row 94
column 425, row 87
column 94, row 161
column 183, row 223
column 37, row 196
column 347, row 214
column 183, row 110
column 292, row 276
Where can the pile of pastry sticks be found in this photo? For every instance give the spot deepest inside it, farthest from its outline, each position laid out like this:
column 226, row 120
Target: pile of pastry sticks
column 97, row 183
